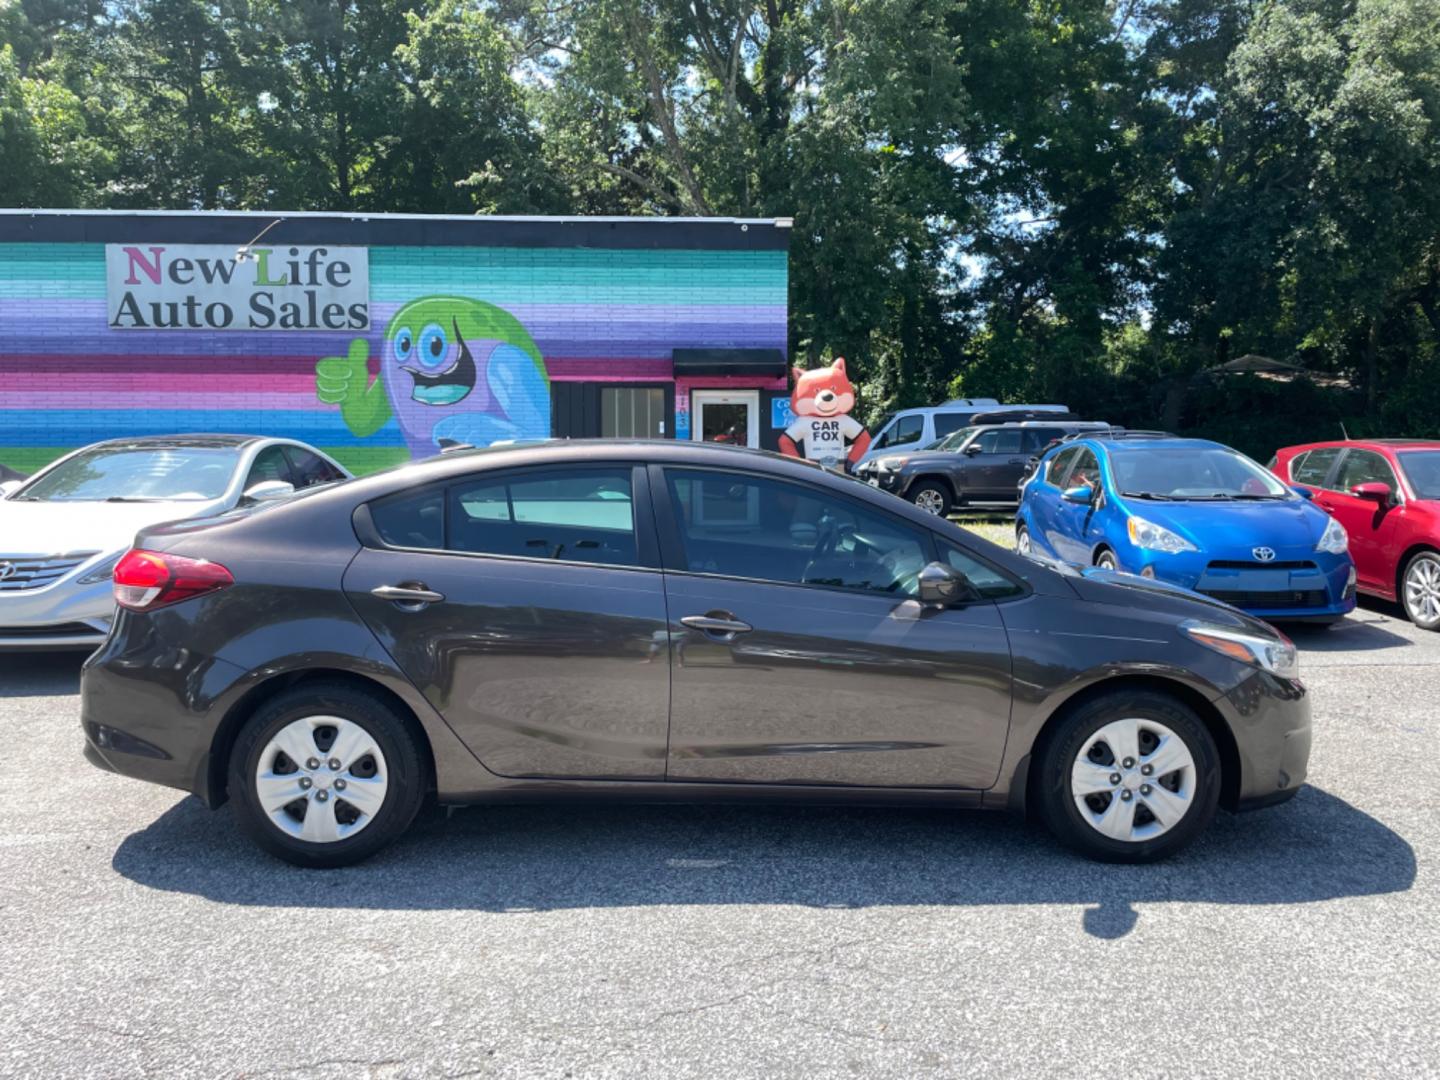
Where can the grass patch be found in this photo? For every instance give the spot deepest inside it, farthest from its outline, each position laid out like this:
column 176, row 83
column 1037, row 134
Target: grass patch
column 997, row 532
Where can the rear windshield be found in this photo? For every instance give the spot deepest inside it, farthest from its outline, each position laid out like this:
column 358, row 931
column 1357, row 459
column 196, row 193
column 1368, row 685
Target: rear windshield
column 1193, row 472
column 136, row 474
column 1422, row 469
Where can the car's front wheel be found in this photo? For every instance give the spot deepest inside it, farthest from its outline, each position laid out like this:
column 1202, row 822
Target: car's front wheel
column 1022, row 541
column 1132, row 776
column 1106, row 560
column 325, row 775
column 1421, row 590
column 931, row 497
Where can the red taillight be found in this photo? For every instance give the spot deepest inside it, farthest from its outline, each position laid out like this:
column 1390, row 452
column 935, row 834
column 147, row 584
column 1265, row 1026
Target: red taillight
column 146, row 580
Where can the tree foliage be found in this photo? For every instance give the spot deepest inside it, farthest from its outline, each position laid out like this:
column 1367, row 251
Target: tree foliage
column 1090, row 201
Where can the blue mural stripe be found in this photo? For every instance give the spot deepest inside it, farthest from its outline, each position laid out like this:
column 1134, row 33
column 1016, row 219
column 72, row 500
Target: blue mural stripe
column 37, row 427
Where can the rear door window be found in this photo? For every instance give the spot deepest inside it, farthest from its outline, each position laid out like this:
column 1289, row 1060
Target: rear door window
column 1314, row 467
column 585, row 516
column 946, row 422
column 1037, row 439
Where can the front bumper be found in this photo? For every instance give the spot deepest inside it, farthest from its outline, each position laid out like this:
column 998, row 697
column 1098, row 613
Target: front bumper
column 1270, row 720
column 1309, row 586
column 65, row 615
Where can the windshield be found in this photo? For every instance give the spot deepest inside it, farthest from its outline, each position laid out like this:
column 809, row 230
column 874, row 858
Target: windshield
column 133, row 474
column 955, row 438
column 1193, row 472
column 1422, row 469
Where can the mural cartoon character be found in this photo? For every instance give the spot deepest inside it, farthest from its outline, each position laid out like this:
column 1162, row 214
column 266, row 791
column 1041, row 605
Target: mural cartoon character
column 452, row 369
column 821, row 401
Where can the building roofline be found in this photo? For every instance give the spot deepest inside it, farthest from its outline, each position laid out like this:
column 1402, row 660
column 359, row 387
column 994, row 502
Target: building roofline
column 310, row 227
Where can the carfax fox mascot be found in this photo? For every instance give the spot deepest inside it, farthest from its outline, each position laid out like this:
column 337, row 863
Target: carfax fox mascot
column 821, row 401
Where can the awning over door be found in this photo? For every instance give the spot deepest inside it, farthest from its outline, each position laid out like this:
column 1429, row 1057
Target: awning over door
column 762, row 362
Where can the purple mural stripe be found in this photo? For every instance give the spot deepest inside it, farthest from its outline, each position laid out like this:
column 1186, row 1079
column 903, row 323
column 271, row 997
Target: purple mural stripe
column 208, row 368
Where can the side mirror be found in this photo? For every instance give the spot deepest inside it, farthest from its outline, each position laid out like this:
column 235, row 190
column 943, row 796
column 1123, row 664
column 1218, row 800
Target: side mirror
column 942, row 585
column 972, row 449
column 8, row 486
column 1375, row 489
column 268, row 491
column 1084, row 493
column 1304, row 493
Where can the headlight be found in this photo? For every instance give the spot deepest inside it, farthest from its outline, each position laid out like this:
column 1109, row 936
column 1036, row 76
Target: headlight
column 1334, row 539
column 1275, row 655
column 101, row 571
column 1146, row 534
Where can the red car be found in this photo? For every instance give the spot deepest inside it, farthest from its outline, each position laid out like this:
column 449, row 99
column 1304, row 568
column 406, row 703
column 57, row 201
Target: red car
column 1386, row 492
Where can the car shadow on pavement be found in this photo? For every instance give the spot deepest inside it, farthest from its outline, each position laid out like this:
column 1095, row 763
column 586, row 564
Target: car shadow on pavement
column 539, row 858
column 1365, row 630
column 40, row 674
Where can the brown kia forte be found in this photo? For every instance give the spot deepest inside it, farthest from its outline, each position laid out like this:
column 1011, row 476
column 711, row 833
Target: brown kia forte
column 669, row 621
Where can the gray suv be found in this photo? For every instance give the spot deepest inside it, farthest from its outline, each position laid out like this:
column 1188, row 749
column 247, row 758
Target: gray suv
column 975, row 466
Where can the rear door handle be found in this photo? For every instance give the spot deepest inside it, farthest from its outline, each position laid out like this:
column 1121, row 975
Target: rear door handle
column 720, row 623
column 411, row 594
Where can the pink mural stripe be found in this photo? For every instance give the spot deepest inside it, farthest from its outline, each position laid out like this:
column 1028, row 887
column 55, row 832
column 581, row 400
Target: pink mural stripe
column 135, row 397
column 172, row 383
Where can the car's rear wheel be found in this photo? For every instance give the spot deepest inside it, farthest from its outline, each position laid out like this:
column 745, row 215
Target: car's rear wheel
column 1132, row 776
column 325, row 775
column 1022, row 541
column 1420, row 591
column 931, row 497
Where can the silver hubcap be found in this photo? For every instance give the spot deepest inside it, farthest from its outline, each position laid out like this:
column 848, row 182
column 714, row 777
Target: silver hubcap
column 321, row 779
column 930, row 501
column 1133, row 780
column 1022, row 542
column 1422, row 590
column 1106, row 562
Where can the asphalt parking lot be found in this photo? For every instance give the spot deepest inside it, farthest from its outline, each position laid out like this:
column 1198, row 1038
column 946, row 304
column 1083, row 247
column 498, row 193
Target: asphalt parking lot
column 140, row 936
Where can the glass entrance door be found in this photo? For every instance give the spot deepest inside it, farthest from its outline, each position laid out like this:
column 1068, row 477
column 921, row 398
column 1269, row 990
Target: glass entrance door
column 726, row 416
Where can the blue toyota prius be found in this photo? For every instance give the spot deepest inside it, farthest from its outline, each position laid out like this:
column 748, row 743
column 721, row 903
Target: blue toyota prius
column 1192, row 513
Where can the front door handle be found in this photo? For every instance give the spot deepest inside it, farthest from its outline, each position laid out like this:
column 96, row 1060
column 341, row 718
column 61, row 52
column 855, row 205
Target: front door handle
column 720, row 623
column 413, row 594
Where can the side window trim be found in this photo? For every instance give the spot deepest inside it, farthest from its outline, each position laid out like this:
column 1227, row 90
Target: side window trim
column 647, row 549
column 672, row 545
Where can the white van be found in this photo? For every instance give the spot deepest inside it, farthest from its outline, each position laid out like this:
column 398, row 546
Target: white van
column 916, row 428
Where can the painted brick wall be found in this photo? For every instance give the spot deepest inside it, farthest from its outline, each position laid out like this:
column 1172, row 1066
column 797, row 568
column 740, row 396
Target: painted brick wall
column 66, row 379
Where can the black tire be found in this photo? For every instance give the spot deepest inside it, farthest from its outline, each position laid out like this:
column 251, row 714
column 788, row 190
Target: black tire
column 403, row 762
column 1105, row 559
column 1414, row 615
column 931, row 496
column 1023, row 544
column 1074, row 731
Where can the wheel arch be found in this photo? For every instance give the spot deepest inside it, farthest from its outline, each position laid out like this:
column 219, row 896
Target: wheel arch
column 944, row 480
column 1404, row 561
column 228, row 730
column 1026, row 781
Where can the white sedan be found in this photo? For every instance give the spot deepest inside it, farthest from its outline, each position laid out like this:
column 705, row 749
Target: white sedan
column 63, row 530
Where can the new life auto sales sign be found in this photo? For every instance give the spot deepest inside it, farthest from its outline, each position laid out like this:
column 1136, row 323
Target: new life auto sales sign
column 212, row 287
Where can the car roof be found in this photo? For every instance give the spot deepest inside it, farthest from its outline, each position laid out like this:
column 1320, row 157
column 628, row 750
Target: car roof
column 197, row 441
column 1141, row 441
column 1337, row 444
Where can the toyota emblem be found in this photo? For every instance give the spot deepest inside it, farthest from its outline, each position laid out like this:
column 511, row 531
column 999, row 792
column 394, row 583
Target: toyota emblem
column 1263, row 554
column 7, row 571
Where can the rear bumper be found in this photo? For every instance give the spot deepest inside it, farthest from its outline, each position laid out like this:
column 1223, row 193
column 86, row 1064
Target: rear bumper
column 149, row 715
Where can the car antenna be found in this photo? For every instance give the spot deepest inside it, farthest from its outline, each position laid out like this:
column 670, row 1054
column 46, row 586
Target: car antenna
column 1343, row 431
